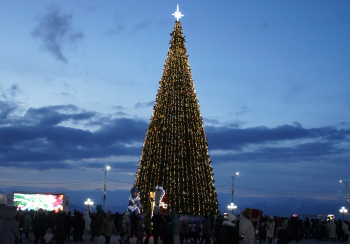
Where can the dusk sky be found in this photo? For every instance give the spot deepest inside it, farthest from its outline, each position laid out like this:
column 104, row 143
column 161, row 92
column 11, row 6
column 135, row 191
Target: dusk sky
column 78, row 81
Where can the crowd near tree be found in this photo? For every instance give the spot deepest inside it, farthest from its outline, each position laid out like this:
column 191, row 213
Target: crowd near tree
column 56, row 228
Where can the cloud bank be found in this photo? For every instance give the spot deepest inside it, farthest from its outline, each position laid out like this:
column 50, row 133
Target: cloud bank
column 61, row 137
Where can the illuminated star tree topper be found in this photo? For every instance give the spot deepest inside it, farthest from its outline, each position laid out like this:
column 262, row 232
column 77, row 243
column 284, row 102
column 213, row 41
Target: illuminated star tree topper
column 178, row 14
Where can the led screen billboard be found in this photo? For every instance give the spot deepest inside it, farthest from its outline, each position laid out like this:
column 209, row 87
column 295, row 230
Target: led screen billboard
column 49, row 202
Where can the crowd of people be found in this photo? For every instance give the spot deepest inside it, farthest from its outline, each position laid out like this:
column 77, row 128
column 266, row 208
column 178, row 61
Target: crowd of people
column 56, row 228
column 297, row 229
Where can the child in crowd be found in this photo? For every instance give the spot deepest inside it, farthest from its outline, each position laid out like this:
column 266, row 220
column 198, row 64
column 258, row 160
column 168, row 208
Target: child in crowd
column 48, row 235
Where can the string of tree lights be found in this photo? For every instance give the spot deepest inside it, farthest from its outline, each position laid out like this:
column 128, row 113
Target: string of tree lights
column 175, row 150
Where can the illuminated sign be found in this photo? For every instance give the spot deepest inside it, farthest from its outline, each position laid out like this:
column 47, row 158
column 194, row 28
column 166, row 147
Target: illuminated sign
column 49, row 202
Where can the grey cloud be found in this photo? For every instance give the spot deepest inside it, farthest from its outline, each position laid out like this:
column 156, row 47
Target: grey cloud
column 6, row 108
column 303, row 152
column 55, row 30
column 118, row 107
column 143, row 105
column 243, row 110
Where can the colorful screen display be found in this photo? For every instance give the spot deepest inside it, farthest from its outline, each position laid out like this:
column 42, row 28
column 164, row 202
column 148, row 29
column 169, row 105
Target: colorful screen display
column 49, row 202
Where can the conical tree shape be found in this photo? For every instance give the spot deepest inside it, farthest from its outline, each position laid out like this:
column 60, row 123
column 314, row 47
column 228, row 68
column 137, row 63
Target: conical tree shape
column 175, row 151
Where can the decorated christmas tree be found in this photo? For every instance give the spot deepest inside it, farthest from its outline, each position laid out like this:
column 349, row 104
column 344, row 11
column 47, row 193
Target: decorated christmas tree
column 175, row 151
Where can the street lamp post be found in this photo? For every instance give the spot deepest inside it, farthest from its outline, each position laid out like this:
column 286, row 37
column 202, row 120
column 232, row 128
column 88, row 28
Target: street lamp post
column 89, row 203
column 105, row 187
column 343, row 210
column 347, row 197
column 232, row 207
column 233, row 190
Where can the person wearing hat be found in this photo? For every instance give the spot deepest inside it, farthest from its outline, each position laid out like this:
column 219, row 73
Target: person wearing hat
column 97, row 223
column 231, row 229
column 270, row 227
column 246, row 228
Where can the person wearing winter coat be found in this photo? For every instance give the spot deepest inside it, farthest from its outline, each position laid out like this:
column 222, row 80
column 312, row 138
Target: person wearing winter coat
column 87, row 221
column 39, row 224
column 48, row 235
column 296, row 227
column 175, row 227
column 157, row 224
column 270, row 227
column 346, row 231
column 133, row 219
column 97, row 223
column 27, row 223
column 67, row 225
column 332, row 229
column 184, row 225
column 8, row 225
column 126, row 228
column 108, row 227
column 58, row 234
column 167, row 234
column 219, row 231
column 281, row 236
column 79, row 226
column 140, row 230
column 148, row 227
column 205, row 230
column 246, row 227
column 231, row 230
column 262, row 230
column 285, row 224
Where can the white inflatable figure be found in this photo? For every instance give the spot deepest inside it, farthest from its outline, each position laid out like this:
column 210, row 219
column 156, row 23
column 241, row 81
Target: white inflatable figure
column 158, row 197
column 134, row 201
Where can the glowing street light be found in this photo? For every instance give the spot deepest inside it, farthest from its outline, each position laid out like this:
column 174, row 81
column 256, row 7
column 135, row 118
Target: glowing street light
column 347, row 197
column 89, row 203
column 232, row 207
column 343, row 210
column 105, row 186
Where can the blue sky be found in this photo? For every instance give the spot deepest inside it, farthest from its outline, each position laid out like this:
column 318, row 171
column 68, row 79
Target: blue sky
column 79, row 78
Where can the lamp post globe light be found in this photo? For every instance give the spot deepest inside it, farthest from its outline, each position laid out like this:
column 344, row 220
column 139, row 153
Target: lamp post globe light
column 232, row 207
column 89, row 203
column 105, row 186
column 233, row 190
column 343, row 210
column 347, row 197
